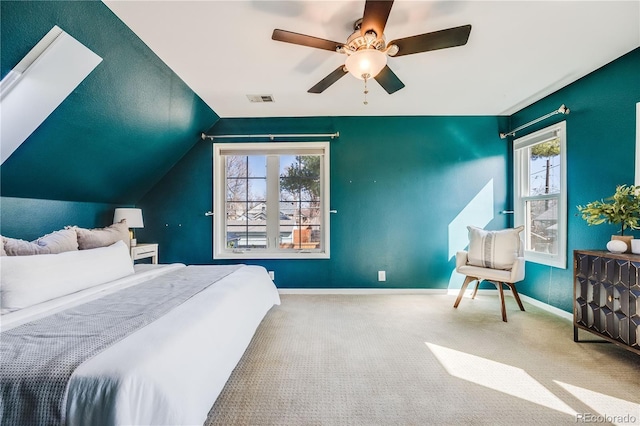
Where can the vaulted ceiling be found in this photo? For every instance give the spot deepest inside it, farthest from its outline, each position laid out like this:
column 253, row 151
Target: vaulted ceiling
column 517, row 53
column 120, row 130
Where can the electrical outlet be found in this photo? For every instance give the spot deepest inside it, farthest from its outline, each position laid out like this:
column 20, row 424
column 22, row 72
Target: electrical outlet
column 382, row 275
column 272, row 275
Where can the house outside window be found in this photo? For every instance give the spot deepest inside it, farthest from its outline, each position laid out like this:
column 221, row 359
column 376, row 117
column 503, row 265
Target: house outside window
column 271, row 200
column 540, row 195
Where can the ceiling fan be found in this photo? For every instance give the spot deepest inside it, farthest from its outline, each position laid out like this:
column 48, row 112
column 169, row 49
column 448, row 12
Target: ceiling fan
column 367, row 49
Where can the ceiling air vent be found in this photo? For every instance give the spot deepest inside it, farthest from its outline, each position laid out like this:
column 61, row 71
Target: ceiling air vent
column 260, row 98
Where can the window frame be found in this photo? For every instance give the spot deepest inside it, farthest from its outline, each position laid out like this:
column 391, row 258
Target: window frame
column 521, row 187
column 220, row 150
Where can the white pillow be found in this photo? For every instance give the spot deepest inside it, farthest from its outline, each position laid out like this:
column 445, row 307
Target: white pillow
column 493, row 249
column 29, row 280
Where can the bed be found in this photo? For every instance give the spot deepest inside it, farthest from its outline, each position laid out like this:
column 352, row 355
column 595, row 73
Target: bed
column 167, row 370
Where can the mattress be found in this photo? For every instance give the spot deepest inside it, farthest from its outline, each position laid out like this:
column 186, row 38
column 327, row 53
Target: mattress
column 171, row 370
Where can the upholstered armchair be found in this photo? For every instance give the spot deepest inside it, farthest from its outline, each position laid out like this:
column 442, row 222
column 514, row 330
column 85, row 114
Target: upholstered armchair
column 494, row 256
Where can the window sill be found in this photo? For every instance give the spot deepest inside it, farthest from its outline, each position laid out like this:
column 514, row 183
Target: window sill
column 555, row 261
column 255, row 255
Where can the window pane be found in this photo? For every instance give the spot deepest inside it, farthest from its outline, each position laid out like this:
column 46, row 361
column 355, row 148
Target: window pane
column 246, row 201
column 236, row 189
column 235, row 211
column 236, row 166
column 234, row 234
column 300, row 225
column 257, row 179
column 301, row 237
column 542, row 229
column 257, row 166
column 300, row 220
column 257, row 191
column 256, row 236
column 300, row 178
column 544, row 167
column 314, row 235
column 246, row 235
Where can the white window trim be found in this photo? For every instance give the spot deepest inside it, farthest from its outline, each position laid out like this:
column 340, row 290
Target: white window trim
column 220, row 250
column 519, row 185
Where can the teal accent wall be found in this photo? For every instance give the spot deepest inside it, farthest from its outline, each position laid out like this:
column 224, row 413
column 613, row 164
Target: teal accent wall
column 123, row 128
column 396, row 182
column 28, row 219
column 600, row 156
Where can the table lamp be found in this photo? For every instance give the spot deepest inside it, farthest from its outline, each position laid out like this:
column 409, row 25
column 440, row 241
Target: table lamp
column 134, row 220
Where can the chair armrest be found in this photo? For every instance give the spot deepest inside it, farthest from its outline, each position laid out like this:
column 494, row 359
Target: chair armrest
column 461, row 259
column 517, row 271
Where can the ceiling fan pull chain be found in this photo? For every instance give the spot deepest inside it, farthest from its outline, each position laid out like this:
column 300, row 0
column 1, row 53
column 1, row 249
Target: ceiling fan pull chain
column 366, row 91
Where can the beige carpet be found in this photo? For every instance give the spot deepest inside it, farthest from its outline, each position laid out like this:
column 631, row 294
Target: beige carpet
column 414, row 360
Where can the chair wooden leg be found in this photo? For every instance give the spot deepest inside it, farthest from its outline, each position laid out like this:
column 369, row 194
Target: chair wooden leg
column 475, row 291
column 516, row 295
column 466, row 282
column 502, row 306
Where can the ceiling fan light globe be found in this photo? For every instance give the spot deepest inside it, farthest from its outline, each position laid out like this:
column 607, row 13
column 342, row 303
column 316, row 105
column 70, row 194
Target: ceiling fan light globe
column 367, row 62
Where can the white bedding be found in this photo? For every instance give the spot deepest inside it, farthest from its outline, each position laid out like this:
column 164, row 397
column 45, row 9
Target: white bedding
column 172, row 370
column 143, row 272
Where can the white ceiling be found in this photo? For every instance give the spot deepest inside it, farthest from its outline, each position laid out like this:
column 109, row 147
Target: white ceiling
column 517, row 53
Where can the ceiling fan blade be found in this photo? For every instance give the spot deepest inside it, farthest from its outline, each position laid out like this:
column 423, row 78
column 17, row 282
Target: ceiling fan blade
column 305, row 40
column 336, row 75
column 375, row 17
column 388, row 80
column 442, row 39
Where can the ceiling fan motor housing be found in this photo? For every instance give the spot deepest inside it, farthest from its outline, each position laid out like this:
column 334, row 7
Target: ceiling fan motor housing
column 357, row 41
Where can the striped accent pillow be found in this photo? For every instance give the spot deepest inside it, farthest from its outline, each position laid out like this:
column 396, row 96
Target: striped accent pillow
column 494, row 249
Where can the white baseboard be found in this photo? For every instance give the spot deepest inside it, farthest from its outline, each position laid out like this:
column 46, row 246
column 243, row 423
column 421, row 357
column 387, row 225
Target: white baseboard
column 361, row 291
column 544, row 306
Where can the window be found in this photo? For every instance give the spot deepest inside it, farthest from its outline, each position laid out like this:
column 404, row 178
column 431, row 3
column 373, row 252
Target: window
column 271, row 200
column 540, row 196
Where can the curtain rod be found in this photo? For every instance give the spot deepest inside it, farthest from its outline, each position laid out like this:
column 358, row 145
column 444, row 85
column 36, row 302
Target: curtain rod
column 562, row 110
column 272, row 137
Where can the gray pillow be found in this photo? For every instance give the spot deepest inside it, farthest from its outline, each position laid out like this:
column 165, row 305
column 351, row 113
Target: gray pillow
column 53, row 243
column 102, row 237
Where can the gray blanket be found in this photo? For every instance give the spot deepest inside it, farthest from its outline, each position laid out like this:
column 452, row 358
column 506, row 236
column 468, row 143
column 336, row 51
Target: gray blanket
column 38, row 358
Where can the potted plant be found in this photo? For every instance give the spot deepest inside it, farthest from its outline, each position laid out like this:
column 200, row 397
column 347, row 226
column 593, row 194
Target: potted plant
column 622, row 209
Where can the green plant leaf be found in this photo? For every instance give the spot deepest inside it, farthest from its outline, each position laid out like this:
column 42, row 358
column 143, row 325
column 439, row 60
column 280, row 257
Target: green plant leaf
column 622, row 209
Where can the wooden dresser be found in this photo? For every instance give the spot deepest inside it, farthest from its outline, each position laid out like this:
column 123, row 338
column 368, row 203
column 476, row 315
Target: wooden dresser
column 606, row 296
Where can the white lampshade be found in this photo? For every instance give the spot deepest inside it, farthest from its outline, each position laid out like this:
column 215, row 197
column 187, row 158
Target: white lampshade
column 133, row 216
column 367, row 62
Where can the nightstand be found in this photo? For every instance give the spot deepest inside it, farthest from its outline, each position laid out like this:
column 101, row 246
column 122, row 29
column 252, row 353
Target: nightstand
column 142, row 251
